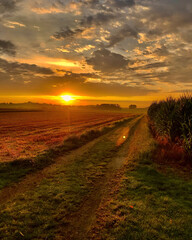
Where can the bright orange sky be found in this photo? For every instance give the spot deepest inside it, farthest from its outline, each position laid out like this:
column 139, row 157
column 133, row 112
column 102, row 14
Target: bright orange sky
column 121, row 51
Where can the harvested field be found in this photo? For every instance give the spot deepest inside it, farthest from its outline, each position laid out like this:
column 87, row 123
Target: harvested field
column 27, row 134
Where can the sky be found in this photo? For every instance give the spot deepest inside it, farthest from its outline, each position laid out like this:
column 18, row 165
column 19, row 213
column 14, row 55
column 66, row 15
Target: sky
column 123, row 51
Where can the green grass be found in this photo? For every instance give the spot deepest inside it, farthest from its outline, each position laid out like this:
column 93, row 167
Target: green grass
column 46, row 207
column 41, row 212
column 154, row 205
column 9, row 174
column 14, row 171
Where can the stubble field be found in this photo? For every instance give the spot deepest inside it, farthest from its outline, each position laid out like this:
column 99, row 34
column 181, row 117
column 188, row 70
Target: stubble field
column 27, row 134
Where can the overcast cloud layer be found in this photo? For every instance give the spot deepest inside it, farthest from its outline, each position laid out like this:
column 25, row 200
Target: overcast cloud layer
column 97, row 48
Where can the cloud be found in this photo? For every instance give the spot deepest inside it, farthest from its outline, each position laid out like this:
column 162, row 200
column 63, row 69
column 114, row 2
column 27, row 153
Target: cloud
column 166, row 17
column 90, row 2
column 162, row 51
column 16, row 68
column 71, row 77
column 8, row 5
column 123, row 3
column 11, row 24
column 184, row 91
column 98, row 19
column 84, row 48
column 67, row 33
column 78, row 84
column 7, row 47
column 111, row 89
column 120, row 35
column 152, row 65
column 106, row 61
column 54, row 6
column 70, row 82
column 134, row 42
column 109, row 3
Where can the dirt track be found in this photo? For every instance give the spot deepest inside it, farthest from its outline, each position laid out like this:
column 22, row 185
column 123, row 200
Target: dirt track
column 81, row 221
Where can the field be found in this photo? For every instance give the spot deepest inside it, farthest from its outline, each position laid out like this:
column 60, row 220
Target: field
column 101, row 176
column 27, row 134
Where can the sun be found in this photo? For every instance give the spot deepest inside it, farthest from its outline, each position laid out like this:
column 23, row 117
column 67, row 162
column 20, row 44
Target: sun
column 67, row 98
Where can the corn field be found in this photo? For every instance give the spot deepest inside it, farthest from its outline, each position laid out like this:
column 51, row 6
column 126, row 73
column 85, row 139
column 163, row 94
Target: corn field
column 172, row 118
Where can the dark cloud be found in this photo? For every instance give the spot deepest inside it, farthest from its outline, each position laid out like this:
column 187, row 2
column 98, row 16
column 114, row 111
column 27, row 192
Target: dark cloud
column 162, row 51
column 15, row 68
column 152, row 65
column 90, row 2
column 52, row 3
column 159, row 51
column 98, row 19
column 123, row 3
column 67, row 33
column 106, row 61
column 8, row 5
column 166, row 17
column 187, row 36
column 120, row 35
column 71, row 77
column 7, row 47
column 180, row 67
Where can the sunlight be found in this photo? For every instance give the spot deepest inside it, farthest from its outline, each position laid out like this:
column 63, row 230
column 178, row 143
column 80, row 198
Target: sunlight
column 67, row 98
column 63, row 63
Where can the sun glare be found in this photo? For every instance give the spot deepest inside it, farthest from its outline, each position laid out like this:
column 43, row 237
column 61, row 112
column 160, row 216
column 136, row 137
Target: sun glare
column 67, row 98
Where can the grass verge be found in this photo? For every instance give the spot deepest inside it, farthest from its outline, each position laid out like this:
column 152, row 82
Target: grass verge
column 150, row 205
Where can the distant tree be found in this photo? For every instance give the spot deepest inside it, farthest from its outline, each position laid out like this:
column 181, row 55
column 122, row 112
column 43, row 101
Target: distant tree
column 132, row 106
column 109, row 106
